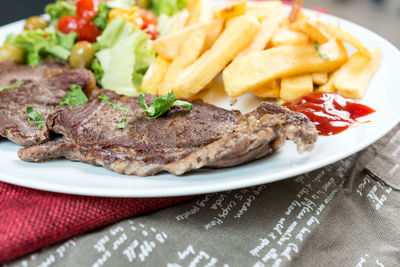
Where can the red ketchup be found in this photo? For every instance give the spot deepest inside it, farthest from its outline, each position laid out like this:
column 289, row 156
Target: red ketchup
column 331, row 113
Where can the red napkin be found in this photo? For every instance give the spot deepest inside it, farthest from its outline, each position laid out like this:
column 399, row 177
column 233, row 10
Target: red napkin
column 32, row 219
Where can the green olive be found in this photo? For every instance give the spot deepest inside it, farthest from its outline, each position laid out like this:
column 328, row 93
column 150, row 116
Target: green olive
column 82, row 55
column 35, row 22
column 143, row 3
column 11, row 52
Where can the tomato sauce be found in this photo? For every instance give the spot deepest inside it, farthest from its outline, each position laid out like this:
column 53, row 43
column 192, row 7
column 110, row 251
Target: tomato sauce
column 331, row 113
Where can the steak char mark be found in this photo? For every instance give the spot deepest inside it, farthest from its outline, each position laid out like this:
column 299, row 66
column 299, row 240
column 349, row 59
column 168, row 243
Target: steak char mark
column 42, row 88
column 178, row 142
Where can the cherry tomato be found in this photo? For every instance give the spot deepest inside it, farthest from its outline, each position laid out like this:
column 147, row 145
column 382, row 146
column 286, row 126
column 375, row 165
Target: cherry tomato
column 151, row 29
column 88, row 31
column 149, row 23
column 148, row 16
column 67, row 24
column 87, row 9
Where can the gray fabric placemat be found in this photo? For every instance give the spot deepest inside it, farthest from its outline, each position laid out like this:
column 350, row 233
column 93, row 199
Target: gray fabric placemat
column 340, row 215
column 386, row 164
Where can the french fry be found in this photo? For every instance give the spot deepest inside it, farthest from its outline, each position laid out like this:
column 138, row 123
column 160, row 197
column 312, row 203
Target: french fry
column 296, row 86
column 312, row 27
column 252, row 71
column 200, row 11
column 354, row 77
column 182, row 18
column 263, row 9
column 328, row 87
column 268, row 27
column 190, row 51
column 347, row 37
column 295, row 26
column 320, row 77
column 269, row 90
column 237, row 35
column 285, row 36
column 169, row 46
column 296, row 10
column 231, row 10
column 154, row 76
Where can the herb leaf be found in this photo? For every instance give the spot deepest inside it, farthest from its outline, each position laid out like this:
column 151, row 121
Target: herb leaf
column 35, row 117
column 122, row 125
column 162, row 104
column 323, row 56
column 9, row 87
column 3, row 88
column 102, row 15
column 107, row 100
column 76, row 97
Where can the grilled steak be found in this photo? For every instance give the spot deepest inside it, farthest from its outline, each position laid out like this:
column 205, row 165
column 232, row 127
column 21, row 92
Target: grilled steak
column 179, row 141
column 11, row 72
column 38, row 89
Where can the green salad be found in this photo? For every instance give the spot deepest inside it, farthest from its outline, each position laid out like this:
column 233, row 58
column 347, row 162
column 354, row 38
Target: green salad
column 111, row 38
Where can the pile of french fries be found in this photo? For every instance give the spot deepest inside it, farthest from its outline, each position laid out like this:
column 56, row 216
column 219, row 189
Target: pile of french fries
column 258, row 49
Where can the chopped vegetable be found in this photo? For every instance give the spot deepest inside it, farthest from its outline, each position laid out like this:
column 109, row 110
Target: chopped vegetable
column 97, row 71
column 168, row 7
column 35, row 22
column 67, row 40
column 11, row 52
column 40, row 44
column 3, row 88
column 129, row 15
column 59, row 9
column 140, row 18
column 82, row 55
column 128, row 54
column 87, row 9
column 162, row 104
column 35, row 117
column 324, row 56
column 9, row 87
column 166, row 24
column 76, row 97
column 121, row 3
column 86, row 29
column 115, row 106
column 122, row 124
column 102, row 15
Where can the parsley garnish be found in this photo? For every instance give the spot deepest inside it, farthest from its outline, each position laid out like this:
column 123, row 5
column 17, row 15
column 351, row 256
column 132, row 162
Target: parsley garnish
column 35, row 117
column 3, row 88
column 324, row 56
column 162, row 104
column 122, row 124
column 76, row 97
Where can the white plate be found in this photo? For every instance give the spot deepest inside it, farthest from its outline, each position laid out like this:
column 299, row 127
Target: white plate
column 84, row 179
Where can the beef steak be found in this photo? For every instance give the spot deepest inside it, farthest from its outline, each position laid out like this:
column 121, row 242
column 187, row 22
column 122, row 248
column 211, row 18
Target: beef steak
column 42, row 88
column 11, row 72
column 177, row 142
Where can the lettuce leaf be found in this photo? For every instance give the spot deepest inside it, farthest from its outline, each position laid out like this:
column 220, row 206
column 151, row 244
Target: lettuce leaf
column 166, row 24
column 102, row 15
column 168, row 7
column 39, row 44
column 59, row 9
column 126, row 55
column 125, row 4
